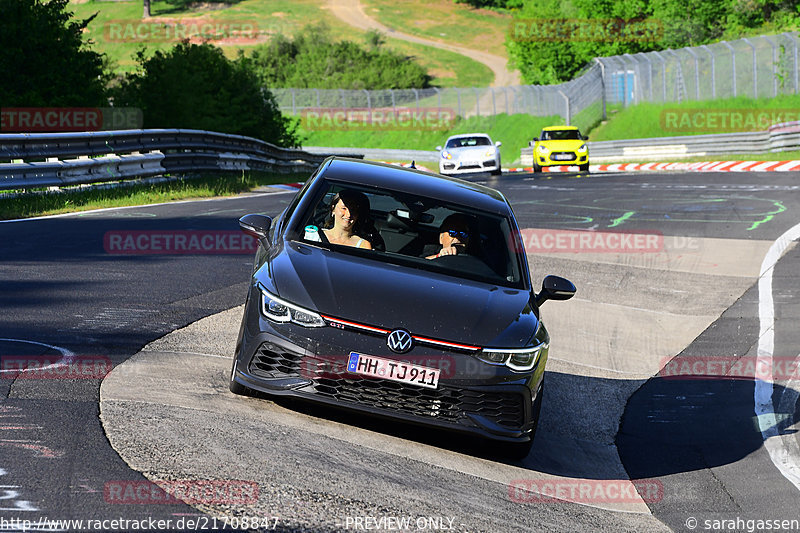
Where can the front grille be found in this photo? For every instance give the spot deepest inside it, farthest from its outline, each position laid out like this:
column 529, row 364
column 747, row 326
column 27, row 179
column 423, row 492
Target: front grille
column 451, row 405
column 272, row 361
column 329, row 378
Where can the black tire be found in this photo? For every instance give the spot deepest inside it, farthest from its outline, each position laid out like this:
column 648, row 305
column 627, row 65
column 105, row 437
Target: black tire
column 536, row 168
column 521, row 450
column 584, row 168
column 236, row 387
column 517, row 450
column 497, row 172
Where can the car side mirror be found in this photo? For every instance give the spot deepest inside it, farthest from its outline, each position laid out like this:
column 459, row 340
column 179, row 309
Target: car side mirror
column 439, row 148
column 498, row 143
column 555, row 288
column 258, row 227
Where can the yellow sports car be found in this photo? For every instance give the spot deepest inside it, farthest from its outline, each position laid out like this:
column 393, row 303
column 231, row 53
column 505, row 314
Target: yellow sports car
column 560, row 145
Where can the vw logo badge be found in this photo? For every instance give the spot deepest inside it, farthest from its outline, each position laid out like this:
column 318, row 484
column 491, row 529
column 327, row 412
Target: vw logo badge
column 399, row 341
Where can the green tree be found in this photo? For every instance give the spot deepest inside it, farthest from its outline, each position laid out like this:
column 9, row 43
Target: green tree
column 195, row 86
column 312, row 59
column 44, row 59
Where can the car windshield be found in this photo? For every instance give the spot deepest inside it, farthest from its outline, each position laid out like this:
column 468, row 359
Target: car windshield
column 464, row 142
column 560, row 135
column 404, row 229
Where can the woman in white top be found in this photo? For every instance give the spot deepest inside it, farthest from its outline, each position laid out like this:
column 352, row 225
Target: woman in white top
column 349, row 209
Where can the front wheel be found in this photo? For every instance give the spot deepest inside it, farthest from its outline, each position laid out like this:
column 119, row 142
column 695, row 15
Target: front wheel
column 584, row 168
column 536, row 168
column 521, row 450
column 234, row 386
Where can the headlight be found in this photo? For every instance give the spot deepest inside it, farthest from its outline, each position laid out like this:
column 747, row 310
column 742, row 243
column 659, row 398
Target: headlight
column 280, row 310
column 542, row 148
column 447, row 155
column 489, row 153
column 516, row 359
column 582, row 148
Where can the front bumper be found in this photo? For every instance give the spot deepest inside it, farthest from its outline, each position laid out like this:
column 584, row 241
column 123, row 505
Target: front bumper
column 561, row 158
column 310, row 363
column 451, row 167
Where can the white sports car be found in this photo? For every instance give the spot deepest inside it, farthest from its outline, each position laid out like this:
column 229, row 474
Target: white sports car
column 468, row 153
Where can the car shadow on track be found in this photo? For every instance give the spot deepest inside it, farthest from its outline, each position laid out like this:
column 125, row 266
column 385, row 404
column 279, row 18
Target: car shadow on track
column 675, row 425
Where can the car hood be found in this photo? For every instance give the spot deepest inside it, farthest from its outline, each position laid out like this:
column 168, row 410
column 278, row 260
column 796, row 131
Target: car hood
column 391, row 296
column 569, row 145
column 472, row 152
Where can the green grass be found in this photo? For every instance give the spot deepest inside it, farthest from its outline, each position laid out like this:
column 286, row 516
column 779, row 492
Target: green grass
column 444, row 21
column 268, row 17
column 514, row 131
column 647, row 120
column 777, row 156
column 78, row 199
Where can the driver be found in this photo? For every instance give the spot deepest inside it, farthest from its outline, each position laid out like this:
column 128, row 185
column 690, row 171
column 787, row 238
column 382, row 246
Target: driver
column 453, row 237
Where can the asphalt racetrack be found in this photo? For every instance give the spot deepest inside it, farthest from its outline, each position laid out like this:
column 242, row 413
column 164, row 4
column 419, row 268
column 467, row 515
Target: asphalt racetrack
column 658, row 413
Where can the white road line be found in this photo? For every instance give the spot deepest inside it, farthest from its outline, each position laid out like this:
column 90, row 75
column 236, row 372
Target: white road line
column 783, row 449
column 101, row 210
column 67, row 358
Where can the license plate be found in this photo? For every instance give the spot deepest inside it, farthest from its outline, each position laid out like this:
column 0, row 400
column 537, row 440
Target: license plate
column 378, row 367
column 563, row 157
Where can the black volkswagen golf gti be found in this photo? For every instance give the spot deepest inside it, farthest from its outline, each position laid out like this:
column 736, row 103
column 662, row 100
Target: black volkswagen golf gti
column 398, row 293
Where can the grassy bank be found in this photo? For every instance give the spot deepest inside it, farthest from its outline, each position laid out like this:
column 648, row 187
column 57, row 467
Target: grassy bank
column 514, row 131
column 119, row 32
column 85, row 199
column 647, row 120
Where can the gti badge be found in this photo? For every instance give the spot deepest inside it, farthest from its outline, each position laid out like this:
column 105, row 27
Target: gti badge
column 399, row 341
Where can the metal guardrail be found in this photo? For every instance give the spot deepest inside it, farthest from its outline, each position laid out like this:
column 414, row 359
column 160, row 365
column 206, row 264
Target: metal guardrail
column 778, row 138
column 389, row 154
column 57, row 159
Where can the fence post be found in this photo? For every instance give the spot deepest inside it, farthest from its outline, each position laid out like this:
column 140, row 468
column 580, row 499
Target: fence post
column 713, row 71
column 696, row 72
column 566, row 101
column 649, row 73
column 794, row 42
column 755, row 67
column 663, row 75
column 733, row 65
column 602, row 85
column 774, row 64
